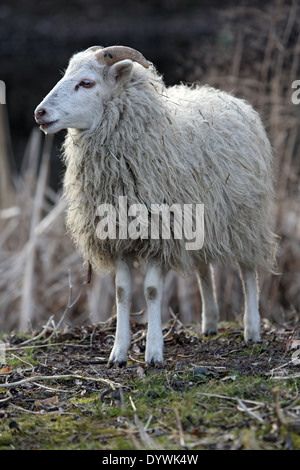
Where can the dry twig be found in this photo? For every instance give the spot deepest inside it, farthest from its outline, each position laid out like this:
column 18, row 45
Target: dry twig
column 58, row 377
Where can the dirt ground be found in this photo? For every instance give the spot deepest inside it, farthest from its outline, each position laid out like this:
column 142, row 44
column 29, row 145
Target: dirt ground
column 56, row 390
column 43, row 383
column 82, row 347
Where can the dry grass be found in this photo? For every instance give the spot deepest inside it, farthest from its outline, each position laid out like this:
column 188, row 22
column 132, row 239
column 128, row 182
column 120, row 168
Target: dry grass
column 39, row 267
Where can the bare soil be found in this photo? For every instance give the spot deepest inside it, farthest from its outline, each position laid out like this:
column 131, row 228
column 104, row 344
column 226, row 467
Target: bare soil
column 210, row 393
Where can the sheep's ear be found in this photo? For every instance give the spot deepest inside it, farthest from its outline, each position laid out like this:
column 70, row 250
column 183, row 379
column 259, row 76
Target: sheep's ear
column 120, row 71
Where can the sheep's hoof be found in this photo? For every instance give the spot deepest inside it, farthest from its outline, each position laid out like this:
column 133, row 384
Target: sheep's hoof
column 119, row 364
column 118, row 355
column 210, row 330
column 154, row 358
column 252, row 334
column 252, row 338
column 155, row 364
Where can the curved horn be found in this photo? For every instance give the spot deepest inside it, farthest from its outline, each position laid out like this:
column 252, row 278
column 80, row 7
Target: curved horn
column 94, row 48
column 113, row 54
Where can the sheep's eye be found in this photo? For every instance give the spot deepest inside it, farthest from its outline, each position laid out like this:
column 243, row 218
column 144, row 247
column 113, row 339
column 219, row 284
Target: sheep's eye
column 85, row 84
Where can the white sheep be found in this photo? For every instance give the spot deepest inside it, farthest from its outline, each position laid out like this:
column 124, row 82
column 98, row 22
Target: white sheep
column 129, row 135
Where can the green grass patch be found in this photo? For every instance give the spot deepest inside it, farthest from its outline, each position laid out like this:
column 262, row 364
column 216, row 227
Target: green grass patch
column 213, row 393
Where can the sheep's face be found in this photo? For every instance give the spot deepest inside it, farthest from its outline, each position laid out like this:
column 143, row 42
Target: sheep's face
column 79, row 98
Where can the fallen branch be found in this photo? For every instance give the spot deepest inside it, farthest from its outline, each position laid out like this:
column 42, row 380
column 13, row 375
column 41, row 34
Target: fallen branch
column 279, row 412
column 285, row 377
column 4, row 400
column 147, row 440
column 213, row 395
column 40, row 412
column 17, row 348
column 173, row 324
column 68, row 307
column 40, row 335
column 180, row 429
column 57, row 377
column 51, row 389
column 250, row 412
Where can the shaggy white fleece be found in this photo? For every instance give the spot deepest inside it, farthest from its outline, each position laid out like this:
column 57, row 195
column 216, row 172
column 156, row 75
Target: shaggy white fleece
column 181, row 145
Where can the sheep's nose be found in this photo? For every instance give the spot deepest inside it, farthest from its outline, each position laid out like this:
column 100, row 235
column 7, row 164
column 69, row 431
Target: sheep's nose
column 40, row 112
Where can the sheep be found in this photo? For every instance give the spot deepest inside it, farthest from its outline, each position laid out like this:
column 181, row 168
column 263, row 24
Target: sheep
column 130, row 136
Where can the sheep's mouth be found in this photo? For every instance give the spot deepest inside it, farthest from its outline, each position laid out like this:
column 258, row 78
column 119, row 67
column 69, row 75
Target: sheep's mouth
column 45, row 125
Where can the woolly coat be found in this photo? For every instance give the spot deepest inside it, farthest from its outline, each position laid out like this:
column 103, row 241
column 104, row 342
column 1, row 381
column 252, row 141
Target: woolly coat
column 183, row 145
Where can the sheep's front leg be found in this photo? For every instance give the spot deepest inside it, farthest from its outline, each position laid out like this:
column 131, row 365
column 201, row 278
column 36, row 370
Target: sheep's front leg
column 123, row 299
column 251, row 314
column 153, row 288
column 210, row 311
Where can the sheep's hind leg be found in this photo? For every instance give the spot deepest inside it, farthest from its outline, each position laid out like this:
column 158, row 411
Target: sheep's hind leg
column 210, row 313
column 251, row 314
column 123, row 298
column 153, row 289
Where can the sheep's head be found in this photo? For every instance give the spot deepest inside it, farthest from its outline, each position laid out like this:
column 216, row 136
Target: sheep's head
column 91, row 78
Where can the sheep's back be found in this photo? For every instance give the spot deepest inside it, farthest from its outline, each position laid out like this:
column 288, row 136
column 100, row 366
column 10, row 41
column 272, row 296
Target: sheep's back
column 206, row 147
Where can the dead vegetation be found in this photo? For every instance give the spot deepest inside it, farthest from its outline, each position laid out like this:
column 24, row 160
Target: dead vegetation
column 60, row 371
column 257, row 57
column 210, row 394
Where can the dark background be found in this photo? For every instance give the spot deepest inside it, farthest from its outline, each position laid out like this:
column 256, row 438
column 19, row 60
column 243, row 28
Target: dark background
column 249, row 48
column 183, row 38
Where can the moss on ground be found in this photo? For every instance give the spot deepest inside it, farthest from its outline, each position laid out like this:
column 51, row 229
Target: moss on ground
column 210, row 394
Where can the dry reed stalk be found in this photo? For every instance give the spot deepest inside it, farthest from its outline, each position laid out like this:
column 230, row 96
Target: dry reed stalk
column 36, row 254
column 57, row 377
column 270, row 92
column 27, row 300
column 7, row 190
